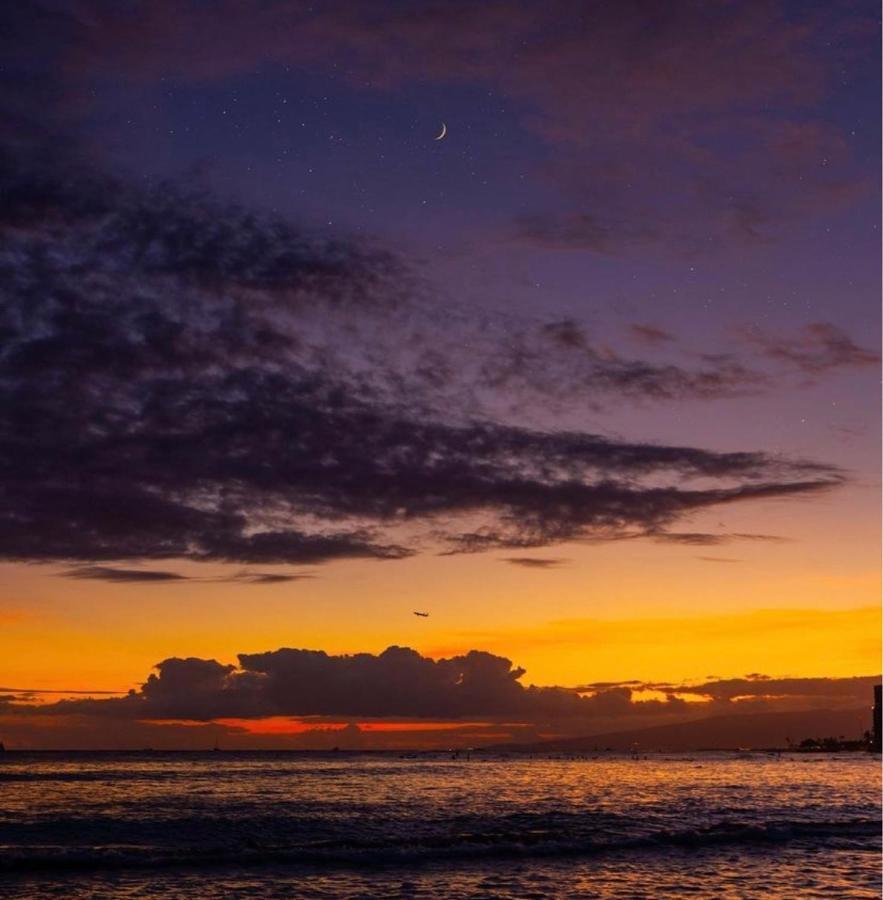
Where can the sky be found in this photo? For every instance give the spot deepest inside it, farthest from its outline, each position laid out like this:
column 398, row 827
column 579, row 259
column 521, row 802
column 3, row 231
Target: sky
column 592, row 379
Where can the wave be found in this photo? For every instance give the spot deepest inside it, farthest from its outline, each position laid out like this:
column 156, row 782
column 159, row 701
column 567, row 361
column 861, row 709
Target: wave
column 451, row 848
column 155, row 774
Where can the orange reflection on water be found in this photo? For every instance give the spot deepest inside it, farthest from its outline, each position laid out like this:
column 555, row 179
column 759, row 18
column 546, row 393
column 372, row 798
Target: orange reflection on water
column 295, row 725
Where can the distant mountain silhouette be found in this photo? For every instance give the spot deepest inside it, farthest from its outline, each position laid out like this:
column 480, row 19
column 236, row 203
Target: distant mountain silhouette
column 749, row 730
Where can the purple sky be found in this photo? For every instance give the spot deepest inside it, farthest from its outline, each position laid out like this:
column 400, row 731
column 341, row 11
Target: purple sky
column 626, row 311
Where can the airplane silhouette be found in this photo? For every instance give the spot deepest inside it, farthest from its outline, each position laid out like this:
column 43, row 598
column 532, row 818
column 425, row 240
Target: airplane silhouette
column 422, row 615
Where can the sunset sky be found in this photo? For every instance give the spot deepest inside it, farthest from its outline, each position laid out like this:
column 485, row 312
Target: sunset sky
column 593, row 379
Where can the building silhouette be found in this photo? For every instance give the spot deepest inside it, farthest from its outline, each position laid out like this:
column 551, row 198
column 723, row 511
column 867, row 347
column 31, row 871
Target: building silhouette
column 877, row 733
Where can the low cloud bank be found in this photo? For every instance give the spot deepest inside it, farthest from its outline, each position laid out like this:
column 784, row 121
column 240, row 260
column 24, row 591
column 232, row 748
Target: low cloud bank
column 400, row 682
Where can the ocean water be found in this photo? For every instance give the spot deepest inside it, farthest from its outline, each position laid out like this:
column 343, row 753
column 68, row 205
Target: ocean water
column 164, row 825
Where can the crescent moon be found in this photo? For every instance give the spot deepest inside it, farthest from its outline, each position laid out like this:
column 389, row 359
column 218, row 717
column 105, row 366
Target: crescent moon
column 444, row 131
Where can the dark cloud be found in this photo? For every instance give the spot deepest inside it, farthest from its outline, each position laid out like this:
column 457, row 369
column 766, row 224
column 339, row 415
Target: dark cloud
column 116, row 575
column 567, row 334
column 558, row 364
column 821, row 347
column 108, row 573
column 166, row 394
column 246, row 252
column 400, row 683
column 650, row 334
column 184, row 378
column 447, row 42
column 397, row 682
column 535, row 562
column 7, row 700
column 772, row 538
column 610, row 511
column 725, row 96
column 707, row 539
column 827, row 690
column 577, row 231
column 30, row 693
column 748, row 690
column 266, row 577
column 694, row 538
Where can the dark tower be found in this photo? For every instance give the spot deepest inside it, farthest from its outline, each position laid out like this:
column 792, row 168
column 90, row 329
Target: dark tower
column 877, row 735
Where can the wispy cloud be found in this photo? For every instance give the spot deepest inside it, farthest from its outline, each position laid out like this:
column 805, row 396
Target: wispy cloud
column 283, row 452
column 726, row 95
column 154, row 576
column 266, row 577
column 710, row 539
column 535, row 562
column 109, row 573
column 820, row 347
column 650, row 334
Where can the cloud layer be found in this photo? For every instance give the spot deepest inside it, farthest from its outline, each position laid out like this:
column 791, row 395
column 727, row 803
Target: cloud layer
column 401, row 683
column 172, row 385
column 725, row 97
column 820, row 347
column 185, row 378
column 116, row 575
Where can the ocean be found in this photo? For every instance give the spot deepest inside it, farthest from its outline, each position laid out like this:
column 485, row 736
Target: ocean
column 341, row 825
